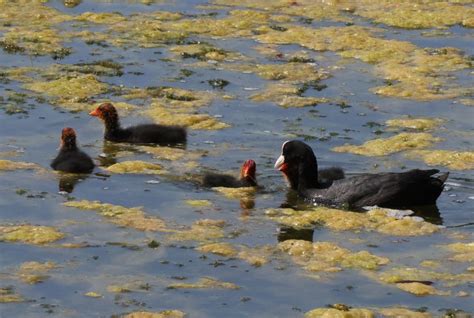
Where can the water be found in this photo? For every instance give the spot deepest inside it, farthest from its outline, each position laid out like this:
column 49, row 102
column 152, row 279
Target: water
column 280, row 287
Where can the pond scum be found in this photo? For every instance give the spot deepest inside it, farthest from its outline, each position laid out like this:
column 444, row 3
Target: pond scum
column 403, row 69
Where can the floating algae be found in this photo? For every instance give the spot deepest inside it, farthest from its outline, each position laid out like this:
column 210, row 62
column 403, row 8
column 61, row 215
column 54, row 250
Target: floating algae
column 403, row 312
column 339, row 313
column 199, row 203
column 257, row 256
column 34, row 272
column 387, row 146
column 464, row 252
column 161, row 314
column 419, row 282
column 170, row 153
column 136, row 166
column 286, row 95
column 202, row 231
column 457, row 160
column 8, row 295
column 8, row 165
column 205, row 283
column 414, row 123
column 101, row 18
column 205, row 52
column 68, row 91
column 92, row 294
column 127, row 217
column 30, row 234
column 237, row 193
column 378, row 220
column 410, row 72
column 183, row 116
column 416, row 15
column 329, row 257
column 420, row 289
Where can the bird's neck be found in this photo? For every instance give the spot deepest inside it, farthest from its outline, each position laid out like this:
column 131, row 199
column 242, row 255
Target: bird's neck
column 112, row 126
column 307, row 175
column 69, row 146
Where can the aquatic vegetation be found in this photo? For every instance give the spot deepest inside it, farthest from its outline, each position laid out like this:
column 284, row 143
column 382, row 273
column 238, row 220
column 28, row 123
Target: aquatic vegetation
column 101, row 18
column 183, row 116
column 127, row 217
column 379, row 220
column 339, row 313
column 8, row 295
column 136, row 166
column 30, row 234
column 419, row 15
column 199, row 203
column 236, row 193
column 34, row 272
column 329, row 257
column 403, row 312
column 387, row 146
column 414, row 123
column 205, row 52
column 205, row 283
column 286, row 95
column 161, row 314
column 409, row 71
column 92, row 294
column 256, row 256
column 8, row 165
column 203, row 230
column 420, row 289
column 457, row 160
column 170, row 153
column 464, row 252
column 69, row 90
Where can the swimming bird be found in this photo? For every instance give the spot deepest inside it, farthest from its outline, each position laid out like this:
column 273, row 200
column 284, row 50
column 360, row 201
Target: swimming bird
column 247, row 177
column 70, row 158
column 140, row 134
column 415, row 187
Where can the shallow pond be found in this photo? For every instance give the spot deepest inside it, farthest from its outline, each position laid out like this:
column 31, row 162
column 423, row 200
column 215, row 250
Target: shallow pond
column 369, row 91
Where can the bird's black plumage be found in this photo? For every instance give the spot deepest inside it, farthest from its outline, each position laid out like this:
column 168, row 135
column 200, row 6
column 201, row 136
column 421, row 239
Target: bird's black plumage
column 393, row 190
column 140, row 134
column 247, row 178
column 70, row 158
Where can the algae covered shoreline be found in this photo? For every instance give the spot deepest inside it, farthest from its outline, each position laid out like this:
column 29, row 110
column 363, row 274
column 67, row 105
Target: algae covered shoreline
column 371, row 86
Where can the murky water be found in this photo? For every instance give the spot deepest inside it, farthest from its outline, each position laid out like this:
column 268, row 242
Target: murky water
column 110, row 251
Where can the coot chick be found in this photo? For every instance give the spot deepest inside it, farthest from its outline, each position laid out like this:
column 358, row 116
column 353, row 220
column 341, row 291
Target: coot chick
column 140, row 134
column 70, row 158
column 247, row 177
column 392, row 190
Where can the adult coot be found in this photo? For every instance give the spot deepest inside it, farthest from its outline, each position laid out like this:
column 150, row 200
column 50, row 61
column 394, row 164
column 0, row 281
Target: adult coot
column 70, row 158
column 140, row 134
column 247, row 177
column 392, row 190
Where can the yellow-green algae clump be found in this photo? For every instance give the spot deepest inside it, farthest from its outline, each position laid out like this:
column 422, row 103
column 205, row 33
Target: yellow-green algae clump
column 377, row 220
column 202, row 231
column 414, row 123
column 34, row 272
column 457, row 160
column 8, row 165
column 417, row 15
column 387, row 146
column 161, row 314
column 7, row 295
column 339, row 313
column 286, row 95
column 136, row 166
column 329, row 257
column 67, row 91
column 128, row 217
column 30, row 234
column 205, row 283
column 236, row 193
column 257, row 256
column 199, row 203
column 464, row 252
column 411, row 72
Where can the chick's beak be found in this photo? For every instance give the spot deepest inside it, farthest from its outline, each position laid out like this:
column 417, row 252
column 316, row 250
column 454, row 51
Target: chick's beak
column 280, row 163
column 95, row 113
